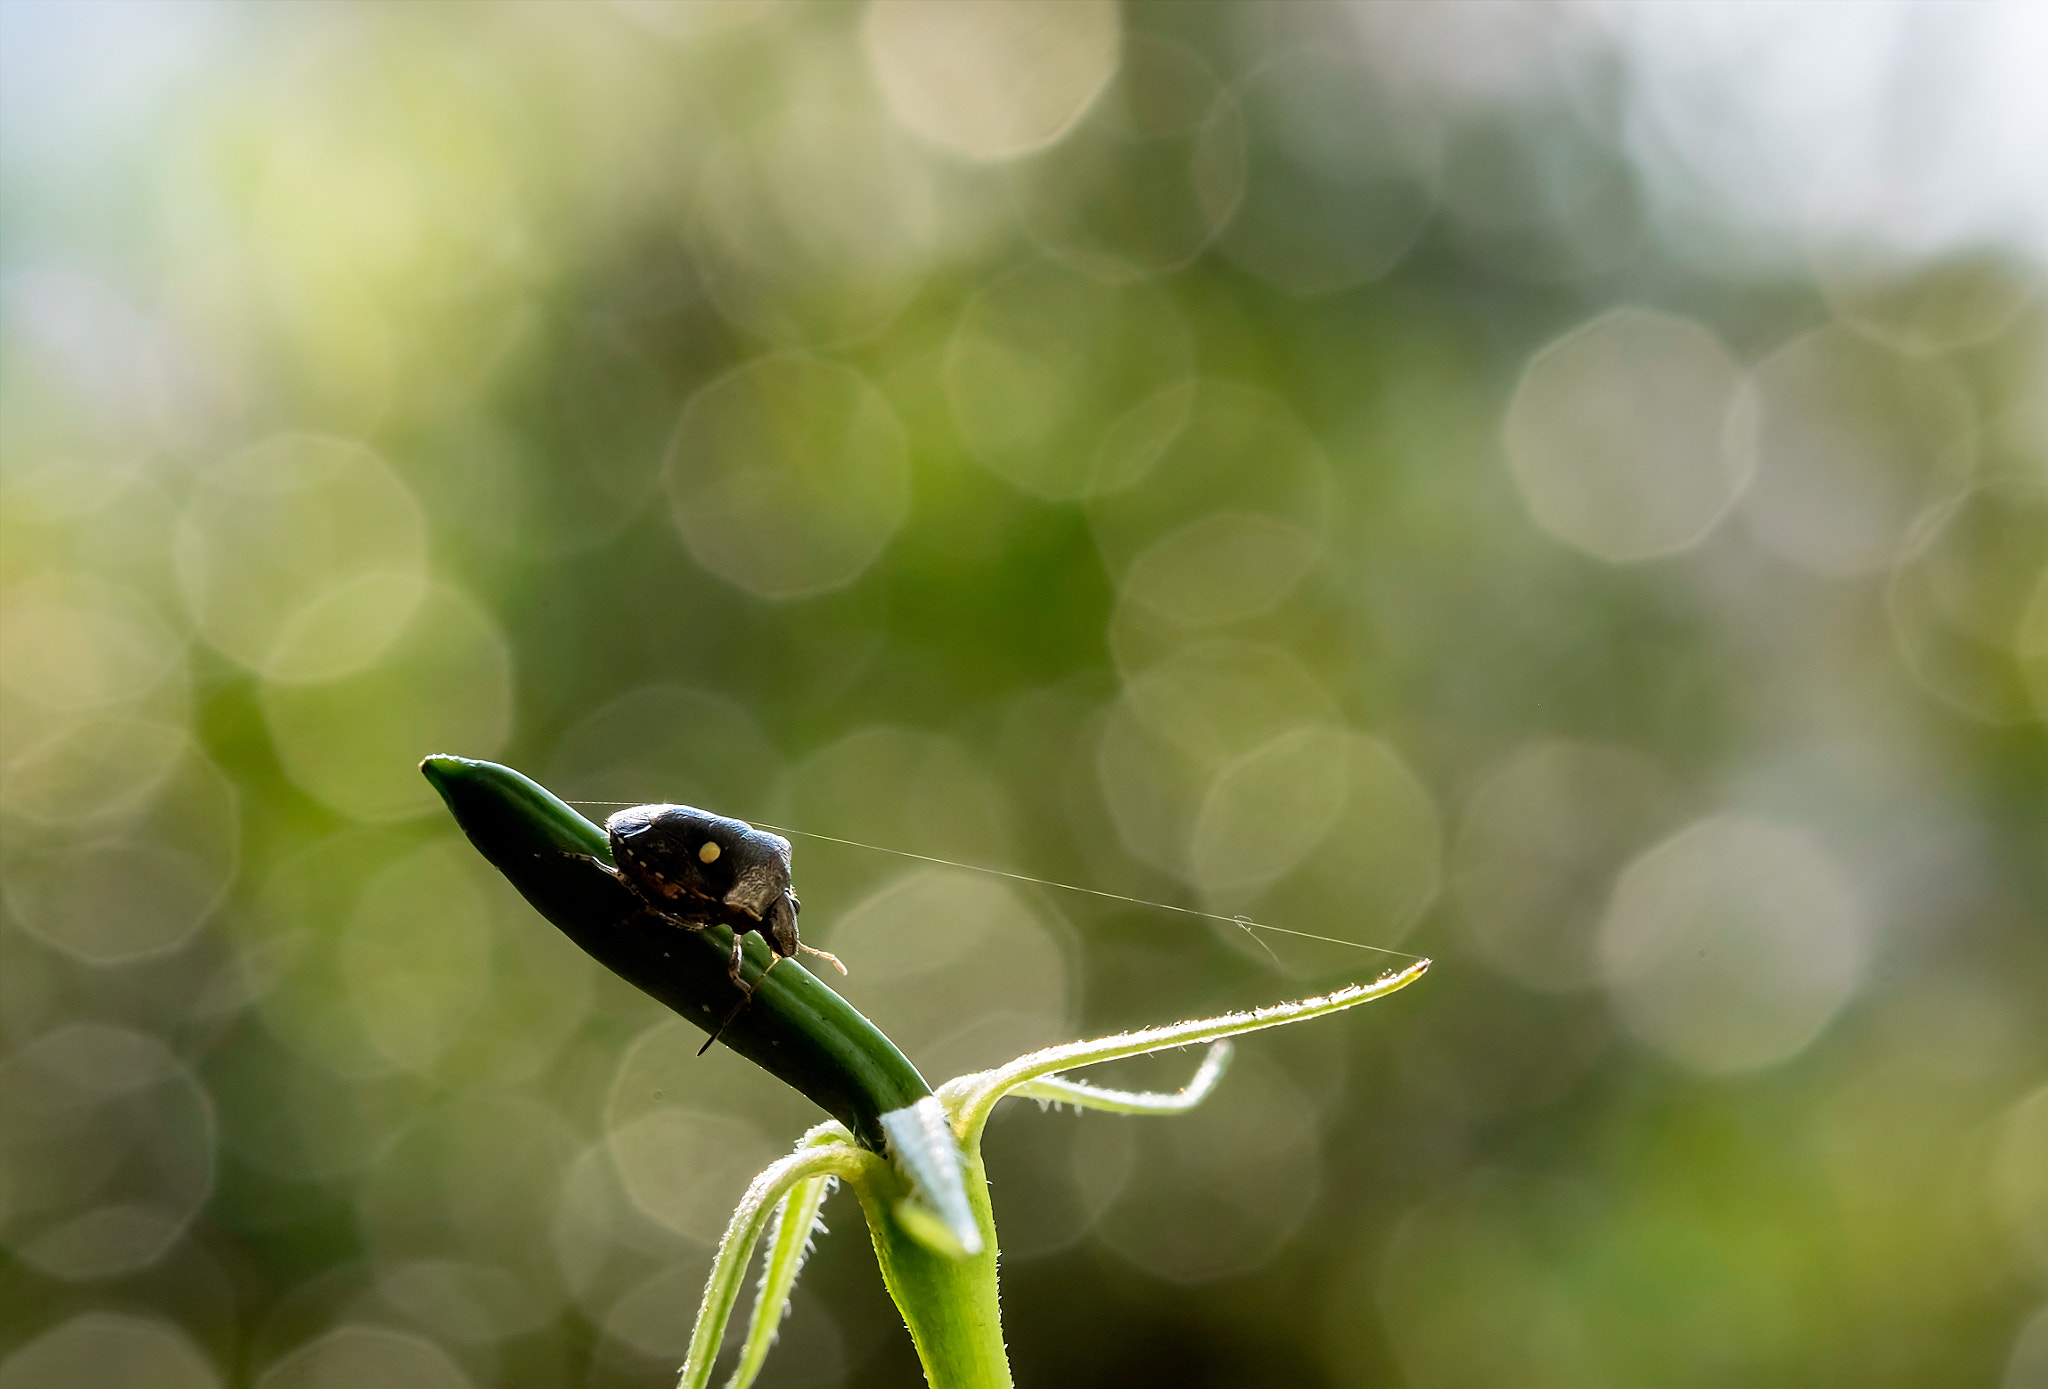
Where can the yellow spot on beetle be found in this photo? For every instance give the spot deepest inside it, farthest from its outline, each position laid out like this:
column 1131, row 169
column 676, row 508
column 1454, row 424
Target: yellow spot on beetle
column 709, row 853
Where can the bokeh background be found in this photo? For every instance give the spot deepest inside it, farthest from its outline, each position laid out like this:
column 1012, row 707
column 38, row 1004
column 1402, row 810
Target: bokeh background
column 1557, row 487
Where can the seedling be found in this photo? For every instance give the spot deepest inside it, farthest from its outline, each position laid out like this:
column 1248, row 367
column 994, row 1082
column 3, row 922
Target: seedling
column 912, row 1156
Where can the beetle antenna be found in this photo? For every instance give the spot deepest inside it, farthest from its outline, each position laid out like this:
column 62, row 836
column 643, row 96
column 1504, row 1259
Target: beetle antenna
column 748, row 991
column 825, row 954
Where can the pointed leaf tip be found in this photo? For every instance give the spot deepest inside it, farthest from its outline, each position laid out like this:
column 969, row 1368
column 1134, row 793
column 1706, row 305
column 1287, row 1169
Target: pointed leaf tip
column 921, row 1140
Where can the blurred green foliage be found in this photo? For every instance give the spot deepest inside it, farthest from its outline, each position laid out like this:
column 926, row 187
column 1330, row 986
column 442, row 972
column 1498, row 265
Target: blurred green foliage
column 1549, row 488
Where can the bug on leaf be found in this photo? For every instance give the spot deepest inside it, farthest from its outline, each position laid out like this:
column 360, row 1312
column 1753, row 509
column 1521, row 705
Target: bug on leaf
column 695, row 869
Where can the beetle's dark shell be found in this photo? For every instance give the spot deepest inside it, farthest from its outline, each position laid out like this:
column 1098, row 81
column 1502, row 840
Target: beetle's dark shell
column 659, row 849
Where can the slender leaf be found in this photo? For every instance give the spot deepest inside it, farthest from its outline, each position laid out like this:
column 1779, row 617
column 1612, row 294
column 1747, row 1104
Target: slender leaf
column 1059, row 1090
column 729, row 1266
column 971, row 1098
column 789, row 1244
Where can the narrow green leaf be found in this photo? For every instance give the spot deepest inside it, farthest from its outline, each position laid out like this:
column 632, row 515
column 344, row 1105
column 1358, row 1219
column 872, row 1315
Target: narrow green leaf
column 789, row 1244
column 1059, row 1090
column 821, row 1158
column 971, row 1098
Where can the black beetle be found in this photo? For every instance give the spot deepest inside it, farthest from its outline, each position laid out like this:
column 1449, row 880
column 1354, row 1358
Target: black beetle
column 696, row 869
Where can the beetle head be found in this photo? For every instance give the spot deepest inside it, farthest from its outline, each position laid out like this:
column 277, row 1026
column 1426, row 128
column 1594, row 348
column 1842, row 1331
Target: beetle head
column 778, row 926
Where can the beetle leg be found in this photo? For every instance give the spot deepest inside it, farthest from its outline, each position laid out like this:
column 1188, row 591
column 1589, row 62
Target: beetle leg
column 670, row 918
column 646, row 906
column 602, row 866
column 739, row 939
column 720, row 1032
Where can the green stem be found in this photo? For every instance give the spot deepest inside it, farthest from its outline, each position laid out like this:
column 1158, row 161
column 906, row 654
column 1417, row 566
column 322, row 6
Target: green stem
column 949, row 1304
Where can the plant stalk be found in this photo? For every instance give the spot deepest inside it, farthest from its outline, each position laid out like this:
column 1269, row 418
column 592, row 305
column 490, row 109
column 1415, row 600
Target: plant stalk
column 949, row 1304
